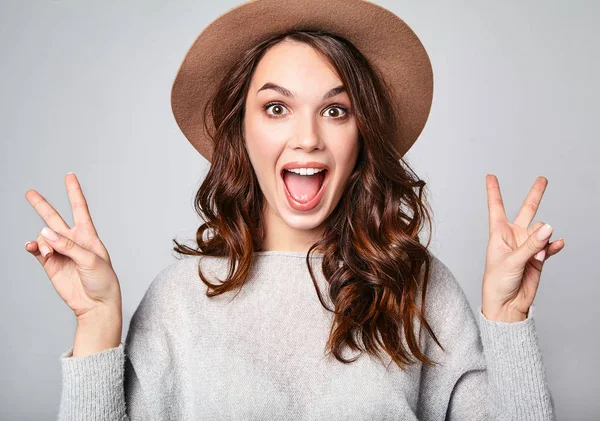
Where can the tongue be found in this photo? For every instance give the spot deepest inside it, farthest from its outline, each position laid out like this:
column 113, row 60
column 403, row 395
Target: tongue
column 303, row 188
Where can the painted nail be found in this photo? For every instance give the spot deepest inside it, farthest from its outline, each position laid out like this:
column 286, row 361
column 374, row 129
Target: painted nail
column 49, row 234
column 45, row 250
column 544, row 232
column 540, row 255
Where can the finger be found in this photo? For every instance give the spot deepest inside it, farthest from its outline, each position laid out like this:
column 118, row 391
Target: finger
column 79, row 207
column 50, row 216
column 44, row 248
column 65, row 246
column 534, row 227
column 551, row 249
column 532, row 202
column 534, row 243
column 541, row 255
column 32, row 247
column 495, row 204
column 554, row 247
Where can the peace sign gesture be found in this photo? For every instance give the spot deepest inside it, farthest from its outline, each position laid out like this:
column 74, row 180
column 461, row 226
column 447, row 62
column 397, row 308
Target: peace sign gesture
column 74, row 258
column 515, row 255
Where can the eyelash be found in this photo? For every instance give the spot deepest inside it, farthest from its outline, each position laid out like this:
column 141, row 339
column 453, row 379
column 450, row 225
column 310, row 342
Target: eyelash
column 346, row 110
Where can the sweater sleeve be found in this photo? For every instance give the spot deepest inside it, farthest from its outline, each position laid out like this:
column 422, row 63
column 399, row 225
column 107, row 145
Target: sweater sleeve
column 490, row 370
column 128, row 382
column 94, row 387
column 513, row 384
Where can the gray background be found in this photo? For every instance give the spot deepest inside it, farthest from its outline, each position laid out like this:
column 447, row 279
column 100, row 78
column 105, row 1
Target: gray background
column 84, row 87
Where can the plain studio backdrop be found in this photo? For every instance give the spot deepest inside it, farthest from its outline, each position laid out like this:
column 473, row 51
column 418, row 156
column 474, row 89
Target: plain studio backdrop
column 84, row 87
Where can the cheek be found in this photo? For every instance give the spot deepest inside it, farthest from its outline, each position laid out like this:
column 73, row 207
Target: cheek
column 261, row 137
column 263, row 152
column 263, row 149
column 346, row 150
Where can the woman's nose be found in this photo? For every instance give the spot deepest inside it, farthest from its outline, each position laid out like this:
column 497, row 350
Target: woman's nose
column 308, row 136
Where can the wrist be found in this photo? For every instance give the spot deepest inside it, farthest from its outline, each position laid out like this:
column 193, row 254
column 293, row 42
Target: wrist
column 101, row 315
column 503, row 314
column 97, row 332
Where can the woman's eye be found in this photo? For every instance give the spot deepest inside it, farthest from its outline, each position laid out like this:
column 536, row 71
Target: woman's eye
column 277, row 110
column 336, row 115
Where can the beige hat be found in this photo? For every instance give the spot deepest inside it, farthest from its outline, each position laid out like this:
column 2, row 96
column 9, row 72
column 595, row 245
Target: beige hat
column 379, row 34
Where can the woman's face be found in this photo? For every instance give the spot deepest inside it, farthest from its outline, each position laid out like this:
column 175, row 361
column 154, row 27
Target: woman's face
column 311, row 127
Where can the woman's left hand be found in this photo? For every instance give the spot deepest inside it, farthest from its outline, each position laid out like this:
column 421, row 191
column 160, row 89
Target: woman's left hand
column 512, row 273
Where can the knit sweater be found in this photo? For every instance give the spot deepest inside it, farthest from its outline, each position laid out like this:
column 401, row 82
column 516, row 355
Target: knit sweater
column 260, row 355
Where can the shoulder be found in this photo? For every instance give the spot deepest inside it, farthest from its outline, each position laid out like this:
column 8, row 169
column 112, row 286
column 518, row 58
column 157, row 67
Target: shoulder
column 171, row 277
column 167, row 286
column 173, row 286
column 442, row 284
column 447, row 308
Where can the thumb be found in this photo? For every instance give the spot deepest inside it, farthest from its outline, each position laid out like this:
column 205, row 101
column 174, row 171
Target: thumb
column 67, row 247
column 536, row 242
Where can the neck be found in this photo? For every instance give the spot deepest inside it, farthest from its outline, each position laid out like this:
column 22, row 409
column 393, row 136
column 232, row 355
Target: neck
column 279, row 236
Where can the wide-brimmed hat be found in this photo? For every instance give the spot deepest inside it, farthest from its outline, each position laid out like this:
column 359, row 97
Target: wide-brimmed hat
column 381, row 36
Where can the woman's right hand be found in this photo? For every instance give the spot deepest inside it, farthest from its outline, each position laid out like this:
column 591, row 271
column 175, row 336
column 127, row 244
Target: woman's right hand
column 78, row 264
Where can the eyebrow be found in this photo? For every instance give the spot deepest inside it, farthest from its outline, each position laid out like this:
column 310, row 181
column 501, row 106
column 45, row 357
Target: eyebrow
column 283, row 91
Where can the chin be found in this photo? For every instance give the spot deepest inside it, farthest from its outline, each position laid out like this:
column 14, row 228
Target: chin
column 304, row 222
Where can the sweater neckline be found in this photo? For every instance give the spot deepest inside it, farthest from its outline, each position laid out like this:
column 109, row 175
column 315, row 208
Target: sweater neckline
column 314, row 255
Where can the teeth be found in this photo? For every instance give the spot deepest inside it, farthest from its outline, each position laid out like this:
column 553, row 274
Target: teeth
column 306, row 171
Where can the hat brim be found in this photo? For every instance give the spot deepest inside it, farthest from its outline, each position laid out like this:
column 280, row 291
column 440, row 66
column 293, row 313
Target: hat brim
column 385, row 39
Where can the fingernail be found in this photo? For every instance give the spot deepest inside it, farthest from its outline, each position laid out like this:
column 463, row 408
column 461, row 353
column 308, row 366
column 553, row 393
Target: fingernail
column 27, row 243
column 544, row 232
column 45, row 250
column 540, row 255
column 49, row 234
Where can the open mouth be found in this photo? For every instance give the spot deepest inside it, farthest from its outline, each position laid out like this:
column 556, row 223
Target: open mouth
column 304, row 192
column 321, row 175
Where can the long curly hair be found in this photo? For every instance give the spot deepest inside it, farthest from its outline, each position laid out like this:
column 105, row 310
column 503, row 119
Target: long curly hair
column 372, row 255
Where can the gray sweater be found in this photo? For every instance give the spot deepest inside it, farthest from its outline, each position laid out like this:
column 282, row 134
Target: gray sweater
column 260, row 356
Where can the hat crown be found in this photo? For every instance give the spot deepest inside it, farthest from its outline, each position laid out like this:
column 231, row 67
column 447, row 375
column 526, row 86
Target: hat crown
column 383, row 38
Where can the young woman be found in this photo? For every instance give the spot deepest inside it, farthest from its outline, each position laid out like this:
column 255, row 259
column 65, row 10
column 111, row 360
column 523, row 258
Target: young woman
column 309, row 294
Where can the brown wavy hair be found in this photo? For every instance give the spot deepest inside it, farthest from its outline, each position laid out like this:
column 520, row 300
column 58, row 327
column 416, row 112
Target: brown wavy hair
column 372, row 256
